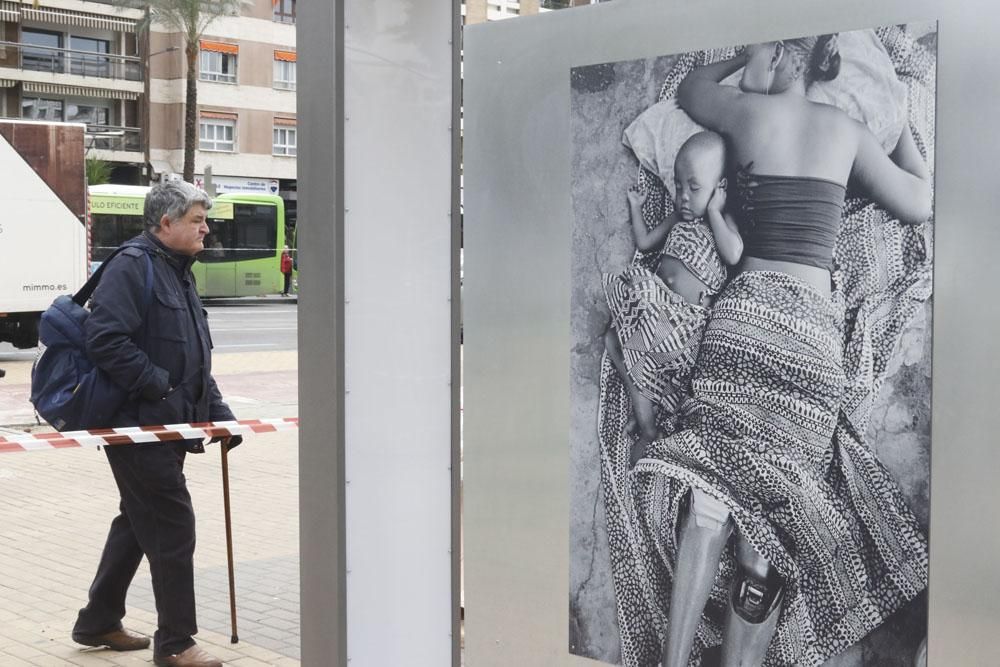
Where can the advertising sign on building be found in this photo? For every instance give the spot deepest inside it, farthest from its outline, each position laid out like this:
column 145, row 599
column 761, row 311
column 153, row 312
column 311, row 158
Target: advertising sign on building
column 239, row 184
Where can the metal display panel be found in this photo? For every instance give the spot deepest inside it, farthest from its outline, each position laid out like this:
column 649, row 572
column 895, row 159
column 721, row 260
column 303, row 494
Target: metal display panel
column 378, row 341
column 521, row 492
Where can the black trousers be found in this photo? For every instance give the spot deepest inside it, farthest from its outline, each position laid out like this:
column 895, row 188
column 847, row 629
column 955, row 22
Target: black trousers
column 288, row 282
column 156, row 520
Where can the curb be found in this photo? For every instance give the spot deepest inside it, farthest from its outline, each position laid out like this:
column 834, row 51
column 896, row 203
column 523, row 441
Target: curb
column 251, row 301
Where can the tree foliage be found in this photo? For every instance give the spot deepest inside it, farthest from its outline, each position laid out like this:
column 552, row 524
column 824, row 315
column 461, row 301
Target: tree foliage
column 190, row 18
column 98, row 171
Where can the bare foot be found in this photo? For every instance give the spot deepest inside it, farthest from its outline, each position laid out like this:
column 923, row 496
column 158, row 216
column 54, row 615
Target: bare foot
column 645, row 413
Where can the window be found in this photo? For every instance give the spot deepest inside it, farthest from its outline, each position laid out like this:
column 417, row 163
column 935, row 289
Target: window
column 284, row 72
column 284, row 140
column 110, row 231
column 251, row 234
column 38, row 109
column 218, row 66
column 87, row 113
column 256, row 230
column 44, row 58
column 284, row 11
column 85, row 63
column 220, row 242
column 217, row 134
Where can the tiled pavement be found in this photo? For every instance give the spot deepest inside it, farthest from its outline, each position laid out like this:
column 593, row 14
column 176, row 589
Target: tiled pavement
column 55, row 507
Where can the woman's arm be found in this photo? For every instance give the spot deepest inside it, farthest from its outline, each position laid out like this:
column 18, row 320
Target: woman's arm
column 909, row 159
column 646, row 239
column 728, row 241
column 900, row 183
column 704, row 99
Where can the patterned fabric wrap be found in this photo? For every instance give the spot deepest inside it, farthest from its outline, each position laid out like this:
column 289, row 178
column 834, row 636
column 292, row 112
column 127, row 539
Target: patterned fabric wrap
column 694, row 245
column 824, row 510
column 659, row 333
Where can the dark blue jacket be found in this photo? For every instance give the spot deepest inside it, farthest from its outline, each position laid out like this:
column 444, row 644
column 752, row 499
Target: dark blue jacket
column 161, row 354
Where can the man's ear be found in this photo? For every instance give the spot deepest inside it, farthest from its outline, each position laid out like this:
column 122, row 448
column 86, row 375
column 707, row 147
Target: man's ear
column 165, row 222
column 724, row 183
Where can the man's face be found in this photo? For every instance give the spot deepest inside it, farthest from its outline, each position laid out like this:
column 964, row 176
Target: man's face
column 186, row 235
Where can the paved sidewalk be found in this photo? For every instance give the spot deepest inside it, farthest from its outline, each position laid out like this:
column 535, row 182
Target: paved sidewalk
column 55, row 508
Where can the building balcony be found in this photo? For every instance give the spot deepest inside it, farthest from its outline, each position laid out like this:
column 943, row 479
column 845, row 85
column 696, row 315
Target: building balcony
column 83, row 64
column 114, row 138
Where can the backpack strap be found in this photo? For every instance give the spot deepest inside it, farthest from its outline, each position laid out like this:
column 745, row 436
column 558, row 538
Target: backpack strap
column 82, row 296
column 147, row 290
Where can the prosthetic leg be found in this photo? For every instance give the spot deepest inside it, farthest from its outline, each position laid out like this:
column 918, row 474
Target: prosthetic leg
column 754, row 606
column 920, row 659
column 703, row 536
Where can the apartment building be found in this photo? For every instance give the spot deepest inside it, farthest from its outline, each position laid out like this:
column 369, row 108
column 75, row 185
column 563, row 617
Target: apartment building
column 71, row 60
column 83, row 60
column 246, row 102
column 478, row 11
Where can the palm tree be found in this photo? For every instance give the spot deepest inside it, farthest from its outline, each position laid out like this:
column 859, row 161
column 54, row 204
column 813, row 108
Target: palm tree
column 98, row 171
column 191, row 18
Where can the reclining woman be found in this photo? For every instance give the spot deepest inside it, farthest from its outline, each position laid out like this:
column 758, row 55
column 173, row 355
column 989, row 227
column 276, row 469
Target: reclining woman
column 758, row 449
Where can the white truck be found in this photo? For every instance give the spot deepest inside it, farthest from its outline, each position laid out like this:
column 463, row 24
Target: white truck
column 43, row 222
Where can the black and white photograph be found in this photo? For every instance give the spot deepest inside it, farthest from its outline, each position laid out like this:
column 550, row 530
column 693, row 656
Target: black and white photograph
column 750, row 368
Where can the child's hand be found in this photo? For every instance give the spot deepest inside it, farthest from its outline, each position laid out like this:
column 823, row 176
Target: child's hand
column 637, row 198
column 718, row 200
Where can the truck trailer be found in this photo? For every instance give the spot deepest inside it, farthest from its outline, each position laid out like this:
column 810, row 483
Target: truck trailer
column 43, row 227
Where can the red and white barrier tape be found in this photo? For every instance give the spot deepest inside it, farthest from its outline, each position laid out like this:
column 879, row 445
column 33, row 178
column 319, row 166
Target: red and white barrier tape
column 137, row 435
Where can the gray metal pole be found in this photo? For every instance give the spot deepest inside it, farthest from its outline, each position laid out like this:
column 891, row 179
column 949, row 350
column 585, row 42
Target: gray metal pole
column 456, row 335
column 320, row 36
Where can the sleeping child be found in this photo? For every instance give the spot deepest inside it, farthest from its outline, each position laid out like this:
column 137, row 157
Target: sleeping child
column 657, row 319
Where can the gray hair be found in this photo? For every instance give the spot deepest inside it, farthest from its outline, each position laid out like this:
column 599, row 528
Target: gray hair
column 172, row 199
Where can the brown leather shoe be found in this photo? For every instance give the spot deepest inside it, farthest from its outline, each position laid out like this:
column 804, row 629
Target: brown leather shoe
column 194, row 656
column 116, row 640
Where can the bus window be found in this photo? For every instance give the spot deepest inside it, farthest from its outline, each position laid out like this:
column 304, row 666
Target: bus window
column 256, row 231
column 110, row 231
column 220, row 244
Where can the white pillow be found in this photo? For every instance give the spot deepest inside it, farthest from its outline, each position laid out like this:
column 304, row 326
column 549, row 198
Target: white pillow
column 657, row 134
column 867, row 89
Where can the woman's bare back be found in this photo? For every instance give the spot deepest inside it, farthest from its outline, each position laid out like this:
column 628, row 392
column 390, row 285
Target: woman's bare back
column 788, row 136
column 791, row 136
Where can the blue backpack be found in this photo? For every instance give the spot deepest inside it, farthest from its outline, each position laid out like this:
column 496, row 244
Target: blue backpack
column 67, row 390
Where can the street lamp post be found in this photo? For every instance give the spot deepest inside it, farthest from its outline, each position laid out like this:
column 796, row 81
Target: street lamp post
column 147, row 103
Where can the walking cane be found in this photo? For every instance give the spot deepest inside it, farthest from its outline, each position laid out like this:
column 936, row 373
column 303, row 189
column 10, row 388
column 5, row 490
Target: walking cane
column 229, row 536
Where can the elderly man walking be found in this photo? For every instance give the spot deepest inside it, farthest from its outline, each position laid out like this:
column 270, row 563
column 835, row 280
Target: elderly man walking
column 153, row 340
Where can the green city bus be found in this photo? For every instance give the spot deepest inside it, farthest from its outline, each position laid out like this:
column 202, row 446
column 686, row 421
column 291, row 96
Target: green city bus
column 242, row 255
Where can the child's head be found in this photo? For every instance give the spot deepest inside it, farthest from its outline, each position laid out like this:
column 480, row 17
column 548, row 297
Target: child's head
column 698, row 171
